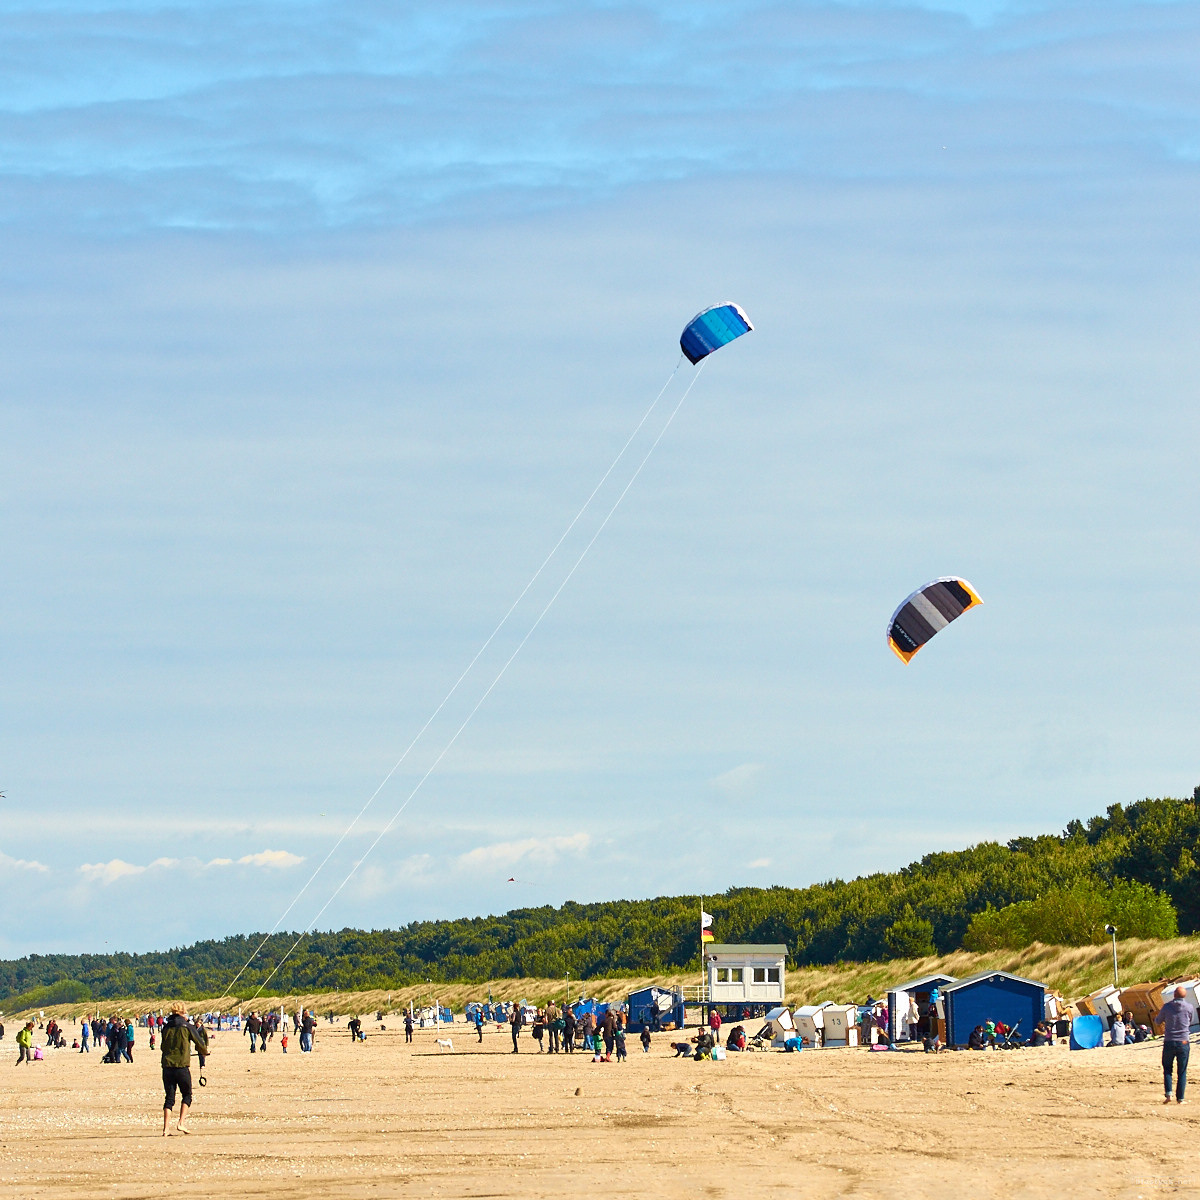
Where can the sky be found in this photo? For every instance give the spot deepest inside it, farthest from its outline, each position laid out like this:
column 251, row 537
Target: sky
column 320, row 322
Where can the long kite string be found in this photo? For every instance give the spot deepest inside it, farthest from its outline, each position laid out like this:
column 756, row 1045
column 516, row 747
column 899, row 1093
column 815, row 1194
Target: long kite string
column 499, row 675
column 446, row 699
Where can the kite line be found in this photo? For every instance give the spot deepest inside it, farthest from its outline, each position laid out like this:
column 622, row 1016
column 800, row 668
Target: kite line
column 466, row 671
column 508, row 662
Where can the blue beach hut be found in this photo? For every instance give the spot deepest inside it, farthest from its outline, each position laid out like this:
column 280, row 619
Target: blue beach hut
column 653, row 1008
column 992, row 996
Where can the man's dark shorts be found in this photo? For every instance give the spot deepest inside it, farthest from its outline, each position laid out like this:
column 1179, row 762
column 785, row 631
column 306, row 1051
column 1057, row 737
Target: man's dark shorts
column 177, row 1077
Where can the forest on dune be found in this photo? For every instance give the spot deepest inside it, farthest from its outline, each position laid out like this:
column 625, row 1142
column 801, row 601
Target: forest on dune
column 1135, row 867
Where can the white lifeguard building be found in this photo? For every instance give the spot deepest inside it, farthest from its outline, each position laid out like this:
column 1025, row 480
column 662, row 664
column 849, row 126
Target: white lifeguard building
column 745, row 975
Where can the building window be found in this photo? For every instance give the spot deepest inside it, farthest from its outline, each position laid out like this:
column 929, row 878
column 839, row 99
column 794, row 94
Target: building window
column 760, row 974
column 772, row 974
column 722, row 974
column 735, row 974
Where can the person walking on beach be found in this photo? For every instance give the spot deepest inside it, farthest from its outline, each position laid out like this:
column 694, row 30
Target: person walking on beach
column 308, row 1027
column 1176, row 1017
column 253, row 1025
column 408, row 1028
column 84, row 1033
column 552, row 1020
column 516, row 1021
column 127, row 1041
column 609, row 1033
column 479, row 1024
column 714, row 1024
column 569, row 1030
column 178, row 1036
column 25, row 1044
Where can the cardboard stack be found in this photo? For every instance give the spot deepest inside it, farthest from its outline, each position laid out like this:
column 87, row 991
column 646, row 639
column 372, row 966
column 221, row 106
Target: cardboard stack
column 1145, row 999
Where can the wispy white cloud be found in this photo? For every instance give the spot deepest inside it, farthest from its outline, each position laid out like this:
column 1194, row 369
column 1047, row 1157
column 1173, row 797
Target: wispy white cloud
column 117, row 868
column 374, row 881
column 544, row 850
column 264, row 117
column 21, row 864
column 759, row 864
column 266, row 858
column 740, row 783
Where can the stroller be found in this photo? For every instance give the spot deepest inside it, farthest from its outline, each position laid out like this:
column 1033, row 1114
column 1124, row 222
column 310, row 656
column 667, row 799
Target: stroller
column 1010, row 1039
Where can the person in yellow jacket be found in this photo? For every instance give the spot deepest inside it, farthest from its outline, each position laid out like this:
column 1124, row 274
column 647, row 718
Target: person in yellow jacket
column 178, row 1037
column 25, row 1044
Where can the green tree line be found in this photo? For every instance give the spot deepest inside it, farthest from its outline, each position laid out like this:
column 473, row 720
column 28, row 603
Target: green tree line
column 1136, row 867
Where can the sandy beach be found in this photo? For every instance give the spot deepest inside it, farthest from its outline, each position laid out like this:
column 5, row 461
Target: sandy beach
column 384, row 1119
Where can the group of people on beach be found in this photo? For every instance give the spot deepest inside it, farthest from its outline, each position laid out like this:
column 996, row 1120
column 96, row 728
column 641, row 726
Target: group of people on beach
column 604, row 1036
column 262, row 1027
column 115, row 1034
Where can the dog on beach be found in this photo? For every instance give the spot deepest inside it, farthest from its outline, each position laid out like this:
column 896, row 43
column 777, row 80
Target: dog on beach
column 445, row 1044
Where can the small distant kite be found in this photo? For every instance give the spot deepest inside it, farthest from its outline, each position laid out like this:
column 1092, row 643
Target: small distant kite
column 711, row 329
column 928, row 611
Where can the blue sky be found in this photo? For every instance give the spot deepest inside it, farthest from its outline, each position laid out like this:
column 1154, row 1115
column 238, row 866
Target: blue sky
column 318, row 323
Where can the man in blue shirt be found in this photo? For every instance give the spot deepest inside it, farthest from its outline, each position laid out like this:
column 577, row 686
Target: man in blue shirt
column 1176, row 1017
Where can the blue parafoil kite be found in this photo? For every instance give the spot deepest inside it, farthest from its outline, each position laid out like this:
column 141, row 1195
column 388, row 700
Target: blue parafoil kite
column 713, row 328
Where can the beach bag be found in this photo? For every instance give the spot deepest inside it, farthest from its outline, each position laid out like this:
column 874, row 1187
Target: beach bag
column 718, row 1054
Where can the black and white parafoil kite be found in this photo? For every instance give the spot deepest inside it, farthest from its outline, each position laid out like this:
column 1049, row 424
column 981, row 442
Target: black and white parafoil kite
column 927, row 611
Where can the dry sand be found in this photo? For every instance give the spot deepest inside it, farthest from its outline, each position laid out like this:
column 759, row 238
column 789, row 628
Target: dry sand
column 384, row 1119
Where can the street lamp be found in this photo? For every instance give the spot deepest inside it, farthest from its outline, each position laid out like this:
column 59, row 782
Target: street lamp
column 1111, row 930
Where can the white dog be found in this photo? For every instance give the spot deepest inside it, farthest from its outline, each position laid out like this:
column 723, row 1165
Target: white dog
column 445, row 1044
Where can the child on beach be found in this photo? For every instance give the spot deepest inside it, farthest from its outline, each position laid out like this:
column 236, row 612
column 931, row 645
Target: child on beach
column 283, row 1042
column 645, row 1039
column 621, row 1055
